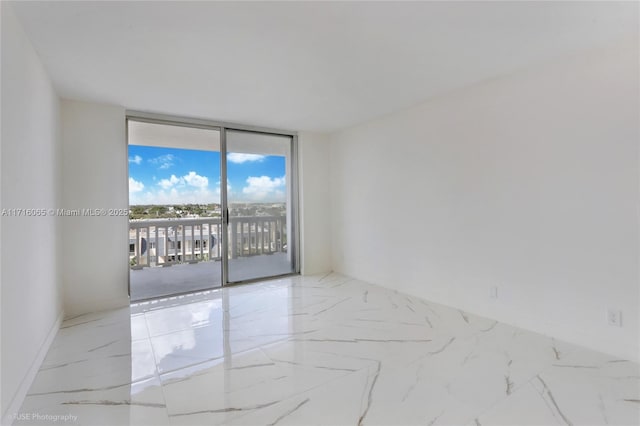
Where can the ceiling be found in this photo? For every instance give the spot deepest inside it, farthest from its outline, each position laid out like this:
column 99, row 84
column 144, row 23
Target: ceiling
column 317, row 66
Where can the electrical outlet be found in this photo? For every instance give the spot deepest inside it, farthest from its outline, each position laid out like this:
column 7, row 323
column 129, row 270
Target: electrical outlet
column 493, row 292
column 614, row 317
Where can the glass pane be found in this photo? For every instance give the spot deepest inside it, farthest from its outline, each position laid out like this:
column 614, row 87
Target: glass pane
column 175, row 214
column 259, row 199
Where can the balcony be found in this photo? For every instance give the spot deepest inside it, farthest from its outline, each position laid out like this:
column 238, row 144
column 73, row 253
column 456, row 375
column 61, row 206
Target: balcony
column 169, row 256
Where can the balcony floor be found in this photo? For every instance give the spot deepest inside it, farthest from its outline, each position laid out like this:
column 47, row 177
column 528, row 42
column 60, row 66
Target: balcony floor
column 156, row 282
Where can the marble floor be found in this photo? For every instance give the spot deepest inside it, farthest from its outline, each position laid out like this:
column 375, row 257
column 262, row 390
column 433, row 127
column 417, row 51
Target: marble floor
column 320, row 350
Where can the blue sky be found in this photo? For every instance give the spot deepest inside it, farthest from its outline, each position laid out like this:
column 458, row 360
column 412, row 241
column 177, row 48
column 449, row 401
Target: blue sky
column 178, row 176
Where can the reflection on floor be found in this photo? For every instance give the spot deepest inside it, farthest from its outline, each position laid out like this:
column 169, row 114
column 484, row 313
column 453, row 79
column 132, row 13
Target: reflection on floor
column 321, row 350
column 150, row 283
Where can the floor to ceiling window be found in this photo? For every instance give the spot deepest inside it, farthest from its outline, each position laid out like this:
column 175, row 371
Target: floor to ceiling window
column 209, row 205
column 259, row 201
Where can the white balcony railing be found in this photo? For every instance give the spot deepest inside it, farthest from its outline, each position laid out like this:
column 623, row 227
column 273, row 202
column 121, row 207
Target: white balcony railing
column 164, row 242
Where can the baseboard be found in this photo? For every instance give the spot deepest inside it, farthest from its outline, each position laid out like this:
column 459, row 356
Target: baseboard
column 608, row 345
column 309, row 272
column 18, row 398
column 532, row 322
column 613, row 346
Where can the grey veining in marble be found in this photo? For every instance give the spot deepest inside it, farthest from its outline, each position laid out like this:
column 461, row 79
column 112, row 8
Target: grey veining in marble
column 320, row 350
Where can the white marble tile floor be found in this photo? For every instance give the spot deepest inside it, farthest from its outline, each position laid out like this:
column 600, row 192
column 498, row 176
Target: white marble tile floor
column 320, row 350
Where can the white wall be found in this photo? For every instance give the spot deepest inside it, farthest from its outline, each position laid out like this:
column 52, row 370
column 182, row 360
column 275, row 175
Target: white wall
column 315, row 212
column 95, row 263
column 528, row 183
column 30, row 169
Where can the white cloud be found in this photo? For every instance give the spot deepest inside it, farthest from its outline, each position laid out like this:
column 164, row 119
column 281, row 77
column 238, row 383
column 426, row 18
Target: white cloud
column 135, row 186
column 136, row 159
column 190, row 179
column 187, row 189
column 264, row 187
column 195, row 180
column 163, row 161
column 168, row 183
column 238, row 158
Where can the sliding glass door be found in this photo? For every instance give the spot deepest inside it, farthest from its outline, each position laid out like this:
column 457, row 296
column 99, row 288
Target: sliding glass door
column 217, row 205
column 175, row 219
column 259, row 200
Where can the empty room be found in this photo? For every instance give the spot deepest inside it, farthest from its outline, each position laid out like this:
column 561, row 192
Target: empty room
column 320, row 213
